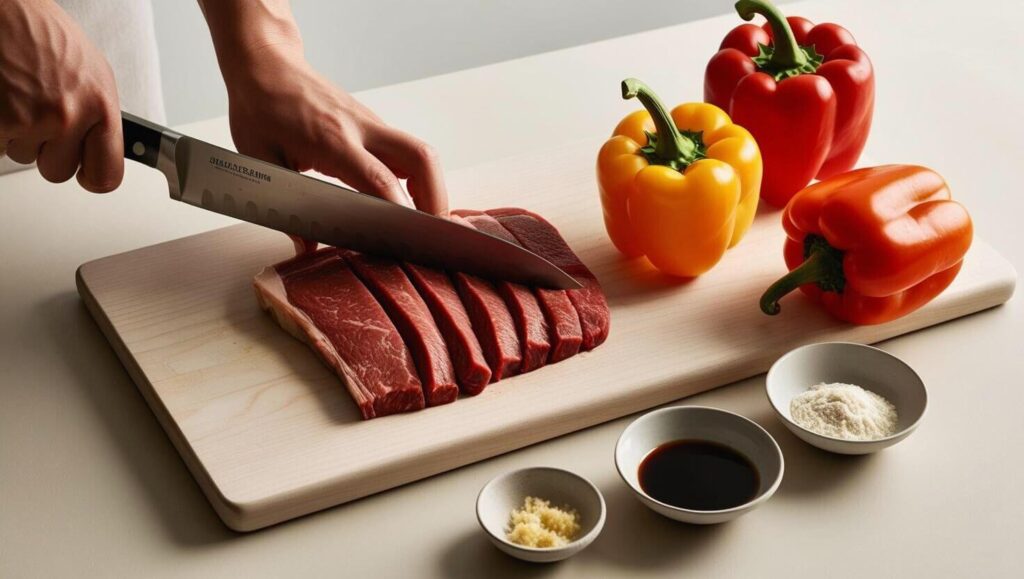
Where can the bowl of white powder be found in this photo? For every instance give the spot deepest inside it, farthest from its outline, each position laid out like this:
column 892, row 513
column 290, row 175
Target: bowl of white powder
column 846, row 398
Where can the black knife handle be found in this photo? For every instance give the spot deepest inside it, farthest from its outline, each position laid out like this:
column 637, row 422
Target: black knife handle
column 141, row 139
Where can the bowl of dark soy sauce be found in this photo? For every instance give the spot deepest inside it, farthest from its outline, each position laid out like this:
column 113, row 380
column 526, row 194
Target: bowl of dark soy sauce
column 699, row 465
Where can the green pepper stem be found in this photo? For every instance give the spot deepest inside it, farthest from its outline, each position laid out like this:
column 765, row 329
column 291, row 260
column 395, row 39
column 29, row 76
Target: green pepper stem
column 787, row 53
column 672, row 147
column 823, row 266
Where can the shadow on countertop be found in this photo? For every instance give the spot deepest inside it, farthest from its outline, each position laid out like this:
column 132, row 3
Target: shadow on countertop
column 472, row 556
column 644, row 540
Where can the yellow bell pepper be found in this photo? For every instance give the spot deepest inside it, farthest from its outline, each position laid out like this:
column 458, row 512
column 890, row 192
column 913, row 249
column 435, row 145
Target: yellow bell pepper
column 679, row 189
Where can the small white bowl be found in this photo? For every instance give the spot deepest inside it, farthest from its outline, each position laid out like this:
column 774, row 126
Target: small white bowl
column 701, row 423
column 870, row 368
column 505, row 493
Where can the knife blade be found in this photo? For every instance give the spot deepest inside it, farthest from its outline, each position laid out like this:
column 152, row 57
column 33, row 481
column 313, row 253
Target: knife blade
column 219, row 180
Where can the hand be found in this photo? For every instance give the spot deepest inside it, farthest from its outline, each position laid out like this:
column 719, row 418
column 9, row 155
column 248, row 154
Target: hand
column 283, row 112
column 58, row 99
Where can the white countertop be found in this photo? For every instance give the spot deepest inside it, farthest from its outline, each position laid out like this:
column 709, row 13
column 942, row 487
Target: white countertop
column 90, row 485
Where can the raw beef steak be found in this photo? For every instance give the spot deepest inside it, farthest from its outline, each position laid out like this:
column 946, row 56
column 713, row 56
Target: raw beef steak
column 402, row 335
column 540, row 237
column 319, row 300
column 492, row 323
column 435, row 287
column 531, row 326
column 388, row 283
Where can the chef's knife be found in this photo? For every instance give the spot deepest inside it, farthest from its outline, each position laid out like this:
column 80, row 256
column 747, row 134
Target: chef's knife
column 238, row 186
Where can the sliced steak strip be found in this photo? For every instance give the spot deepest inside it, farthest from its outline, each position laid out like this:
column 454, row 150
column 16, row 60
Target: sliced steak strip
column 540, row 237
column 492, row 322
column 320, row 301
column 435, row 287
column 531, row 325
column 407, row 310
column 562, row 319
column 563, row 322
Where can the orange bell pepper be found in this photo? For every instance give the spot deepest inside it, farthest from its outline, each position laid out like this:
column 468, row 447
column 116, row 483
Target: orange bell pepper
column 873, row 244
column 680, row 189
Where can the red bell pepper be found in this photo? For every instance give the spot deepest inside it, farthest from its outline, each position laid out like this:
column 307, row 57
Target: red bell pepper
column 807, row 97
column 873, row 244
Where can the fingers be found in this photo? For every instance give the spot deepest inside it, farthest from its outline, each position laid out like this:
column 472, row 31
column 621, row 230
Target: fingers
column 374, row 177
column 102, row 157
column 96, row 156
column 314, row 125
column 412, row 158
column 354, row 165
column 24, row 151
column 59, row 158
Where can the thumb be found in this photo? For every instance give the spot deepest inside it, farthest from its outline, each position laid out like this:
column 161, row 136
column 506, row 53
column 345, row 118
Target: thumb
column 102, row 157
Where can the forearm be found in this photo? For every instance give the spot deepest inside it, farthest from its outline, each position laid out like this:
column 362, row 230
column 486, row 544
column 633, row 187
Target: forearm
column 243, row 30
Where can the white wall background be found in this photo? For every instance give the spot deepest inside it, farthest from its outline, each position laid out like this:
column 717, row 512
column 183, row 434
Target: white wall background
column 362, row 44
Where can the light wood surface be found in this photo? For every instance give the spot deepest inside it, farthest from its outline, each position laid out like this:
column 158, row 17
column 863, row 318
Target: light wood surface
column 271, row 434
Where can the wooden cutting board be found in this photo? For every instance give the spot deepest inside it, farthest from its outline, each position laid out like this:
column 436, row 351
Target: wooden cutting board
column 271, row 434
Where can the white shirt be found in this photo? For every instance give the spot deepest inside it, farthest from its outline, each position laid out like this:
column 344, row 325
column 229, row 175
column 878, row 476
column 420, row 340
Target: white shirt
column 123, row 31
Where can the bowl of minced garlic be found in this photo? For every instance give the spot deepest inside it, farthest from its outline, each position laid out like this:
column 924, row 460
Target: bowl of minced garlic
column 846, row 398
column 541, row 514
column 539, row 525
